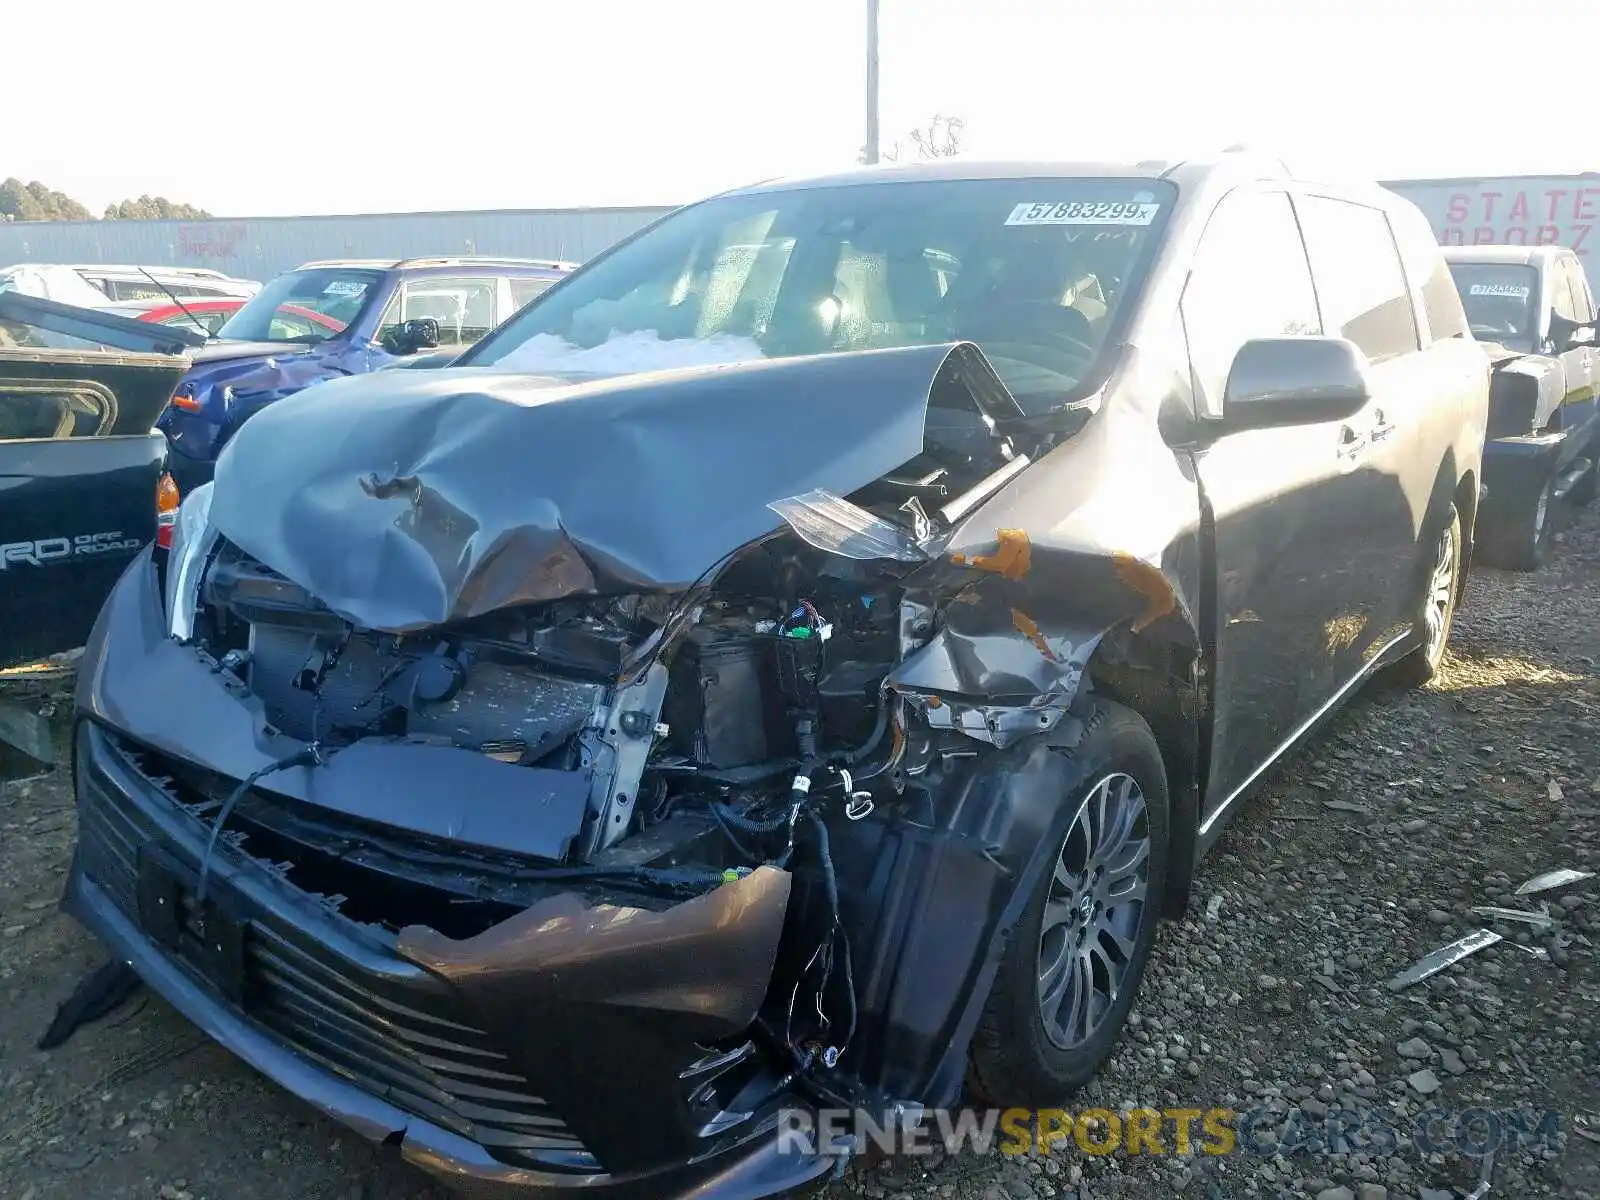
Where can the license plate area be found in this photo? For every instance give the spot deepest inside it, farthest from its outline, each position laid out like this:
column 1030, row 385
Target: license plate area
column 209, row 938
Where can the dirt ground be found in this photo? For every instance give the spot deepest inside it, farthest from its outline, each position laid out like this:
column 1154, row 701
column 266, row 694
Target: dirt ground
column 1366, row 851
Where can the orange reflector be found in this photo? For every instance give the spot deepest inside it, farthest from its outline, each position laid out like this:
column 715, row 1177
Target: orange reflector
column 167, row 501
column 186, row 402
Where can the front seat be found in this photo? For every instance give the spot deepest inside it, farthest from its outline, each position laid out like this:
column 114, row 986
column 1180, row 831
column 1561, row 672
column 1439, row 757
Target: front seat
column 1023, row 304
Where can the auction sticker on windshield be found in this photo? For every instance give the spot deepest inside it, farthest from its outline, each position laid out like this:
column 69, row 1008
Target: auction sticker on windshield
column 1083, row 212
column 1499, row 289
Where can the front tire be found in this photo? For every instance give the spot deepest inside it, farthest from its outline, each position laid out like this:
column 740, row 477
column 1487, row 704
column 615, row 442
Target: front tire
column 1438, row 609
column 1069, row 972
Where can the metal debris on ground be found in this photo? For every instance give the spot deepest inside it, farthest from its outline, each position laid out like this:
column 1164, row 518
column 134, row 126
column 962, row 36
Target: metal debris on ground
column 1482, row 1190
column 1347, row 806
column 1554, row 791
column 1537, row 951
column 1553, row 879
column 1536, row 919
column 1444, row 956
column 1214, row 907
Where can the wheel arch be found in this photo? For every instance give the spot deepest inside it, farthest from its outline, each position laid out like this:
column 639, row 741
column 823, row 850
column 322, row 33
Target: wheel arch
column 1466, row 502
column 1158, row 679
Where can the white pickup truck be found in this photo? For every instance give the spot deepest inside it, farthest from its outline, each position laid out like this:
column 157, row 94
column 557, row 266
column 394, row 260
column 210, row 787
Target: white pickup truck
column 1514, row 210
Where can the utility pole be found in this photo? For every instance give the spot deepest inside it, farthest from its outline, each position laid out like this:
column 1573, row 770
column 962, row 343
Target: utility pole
column 869, row 152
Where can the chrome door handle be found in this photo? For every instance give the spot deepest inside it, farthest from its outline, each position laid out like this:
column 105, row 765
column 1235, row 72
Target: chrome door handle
column 1379, row 432
column 1351, row 443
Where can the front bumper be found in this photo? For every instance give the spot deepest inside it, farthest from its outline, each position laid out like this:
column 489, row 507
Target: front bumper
column 326, row 1009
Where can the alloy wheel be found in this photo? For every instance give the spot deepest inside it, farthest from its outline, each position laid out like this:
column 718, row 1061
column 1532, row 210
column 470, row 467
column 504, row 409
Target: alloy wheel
column 1093, row 910
column 1440, row 586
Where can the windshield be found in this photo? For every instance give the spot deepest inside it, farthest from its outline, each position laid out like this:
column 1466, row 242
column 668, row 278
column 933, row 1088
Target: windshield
column 1035, row 271
column 303, row 306
column 1499, row 299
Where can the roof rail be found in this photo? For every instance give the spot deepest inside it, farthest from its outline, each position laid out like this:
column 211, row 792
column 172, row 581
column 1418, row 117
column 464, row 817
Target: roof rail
column 154, row 269
column 347, row 262
column 553, row 264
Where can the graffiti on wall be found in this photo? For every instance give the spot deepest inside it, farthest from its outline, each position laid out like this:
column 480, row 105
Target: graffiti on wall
column 210, row 240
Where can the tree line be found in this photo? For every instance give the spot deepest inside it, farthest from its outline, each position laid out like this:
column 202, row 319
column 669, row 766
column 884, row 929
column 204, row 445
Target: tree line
column 37, row 202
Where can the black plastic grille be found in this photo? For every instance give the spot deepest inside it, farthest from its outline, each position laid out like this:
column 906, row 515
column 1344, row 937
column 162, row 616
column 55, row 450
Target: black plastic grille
column 394, row 1033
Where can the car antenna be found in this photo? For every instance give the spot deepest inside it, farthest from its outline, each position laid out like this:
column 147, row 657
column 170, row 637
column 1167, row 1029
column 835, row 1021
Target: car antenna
column 171, row 295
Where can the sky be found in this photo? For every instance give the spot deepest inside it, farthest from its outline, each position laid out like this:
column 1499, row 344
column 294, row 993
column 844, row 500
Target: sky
column 398, row 106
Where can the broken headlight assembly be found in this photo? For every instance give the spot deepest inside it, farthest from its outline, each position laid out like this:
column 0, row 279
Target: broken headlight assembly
column 193, row 539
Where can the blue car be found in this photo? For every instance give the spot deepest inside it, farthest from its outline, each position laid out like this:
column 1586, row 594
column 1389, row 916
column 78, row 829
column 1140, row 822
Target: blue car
column 328, row 319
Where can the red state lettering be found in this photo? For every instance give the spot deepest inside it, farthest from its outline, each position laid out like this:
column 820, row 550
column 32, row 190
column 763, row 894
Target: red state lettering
column 1517, row 235
column 1583, row 208
column 1549, row 235
column 1519, row 208
column 1456, row 211
column 1483, row 235
column 1555, row 195
column 1488, row 204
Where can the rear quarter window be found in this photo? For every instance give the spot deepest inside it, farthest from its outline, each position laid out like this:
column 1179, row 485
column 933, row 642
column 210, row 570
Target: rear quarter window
column 1427, row 270
column 1361, row 286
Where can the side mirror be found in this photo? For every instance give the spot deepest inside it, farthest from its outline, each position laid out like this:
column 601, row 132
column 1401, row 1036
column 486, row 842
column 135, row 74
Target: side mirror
column 419, row 333
column 1294, row 381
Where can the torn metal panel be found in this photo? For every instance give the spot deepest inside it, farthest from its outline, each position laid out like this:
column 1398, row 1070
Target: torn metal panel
column 1436, row 961
column 449, row 494
column 24, row 729
column 1551, row 880
column 1005, row 655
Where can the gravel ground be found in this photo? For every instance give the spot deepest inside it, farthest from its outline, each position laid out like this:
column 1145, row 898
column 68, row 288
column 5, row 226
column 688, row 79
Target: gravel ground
column 1365, row 852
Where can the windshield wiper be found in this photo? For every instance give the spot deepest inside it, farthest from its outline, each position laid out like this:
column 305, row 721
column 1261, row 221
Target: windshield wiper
column 198, row 324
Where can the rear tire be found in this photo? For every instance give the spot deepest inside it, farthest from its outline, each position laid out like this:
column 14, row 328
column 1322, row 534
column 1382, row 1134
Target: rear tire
column 1438, row 609
column 1583, row 492
column 1068, row 975
column 1517, row 540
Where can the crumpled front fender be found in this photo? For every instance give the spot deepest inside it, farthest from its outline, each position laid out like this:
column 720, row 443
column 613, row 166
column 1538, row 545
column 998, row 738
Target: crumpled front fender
column 1004, row 656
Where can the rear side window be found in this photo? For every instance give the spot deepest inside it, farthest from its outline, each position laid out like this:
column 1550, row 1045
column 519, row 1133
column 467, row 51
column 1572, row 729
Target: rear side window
column 1427, row 270
column 1563, row 294
column 1250, row 280
column 524, row 290
column 463, row 307
column 1582, row 298
column 1360, row 283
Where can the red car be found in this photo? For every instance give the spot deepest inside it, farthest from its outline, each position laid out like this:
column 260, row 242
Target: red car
column 213, row 311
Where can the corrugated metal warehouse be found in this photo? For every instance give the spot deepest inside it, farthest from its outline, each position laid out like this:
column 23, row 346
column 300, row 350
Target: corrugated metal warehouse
column 261, row 247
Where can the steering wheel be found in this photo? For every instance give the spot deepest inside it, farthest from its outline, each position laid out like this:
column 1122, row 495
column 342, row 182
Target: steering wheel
column 1030, row 323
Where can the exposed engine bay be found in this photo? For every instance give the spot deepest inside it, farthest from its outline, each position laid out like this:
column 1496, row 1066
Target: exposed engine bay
column 777, row 675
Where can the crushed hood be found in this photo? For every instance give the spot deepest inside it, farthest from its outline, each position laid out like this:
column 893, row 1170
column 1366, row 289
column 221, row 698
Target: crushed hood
column 403, row 500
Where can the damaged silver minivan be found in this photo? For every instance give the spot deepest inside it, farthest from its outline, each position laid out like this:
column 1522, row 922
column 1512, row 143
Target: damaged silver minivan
column 794, row 662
